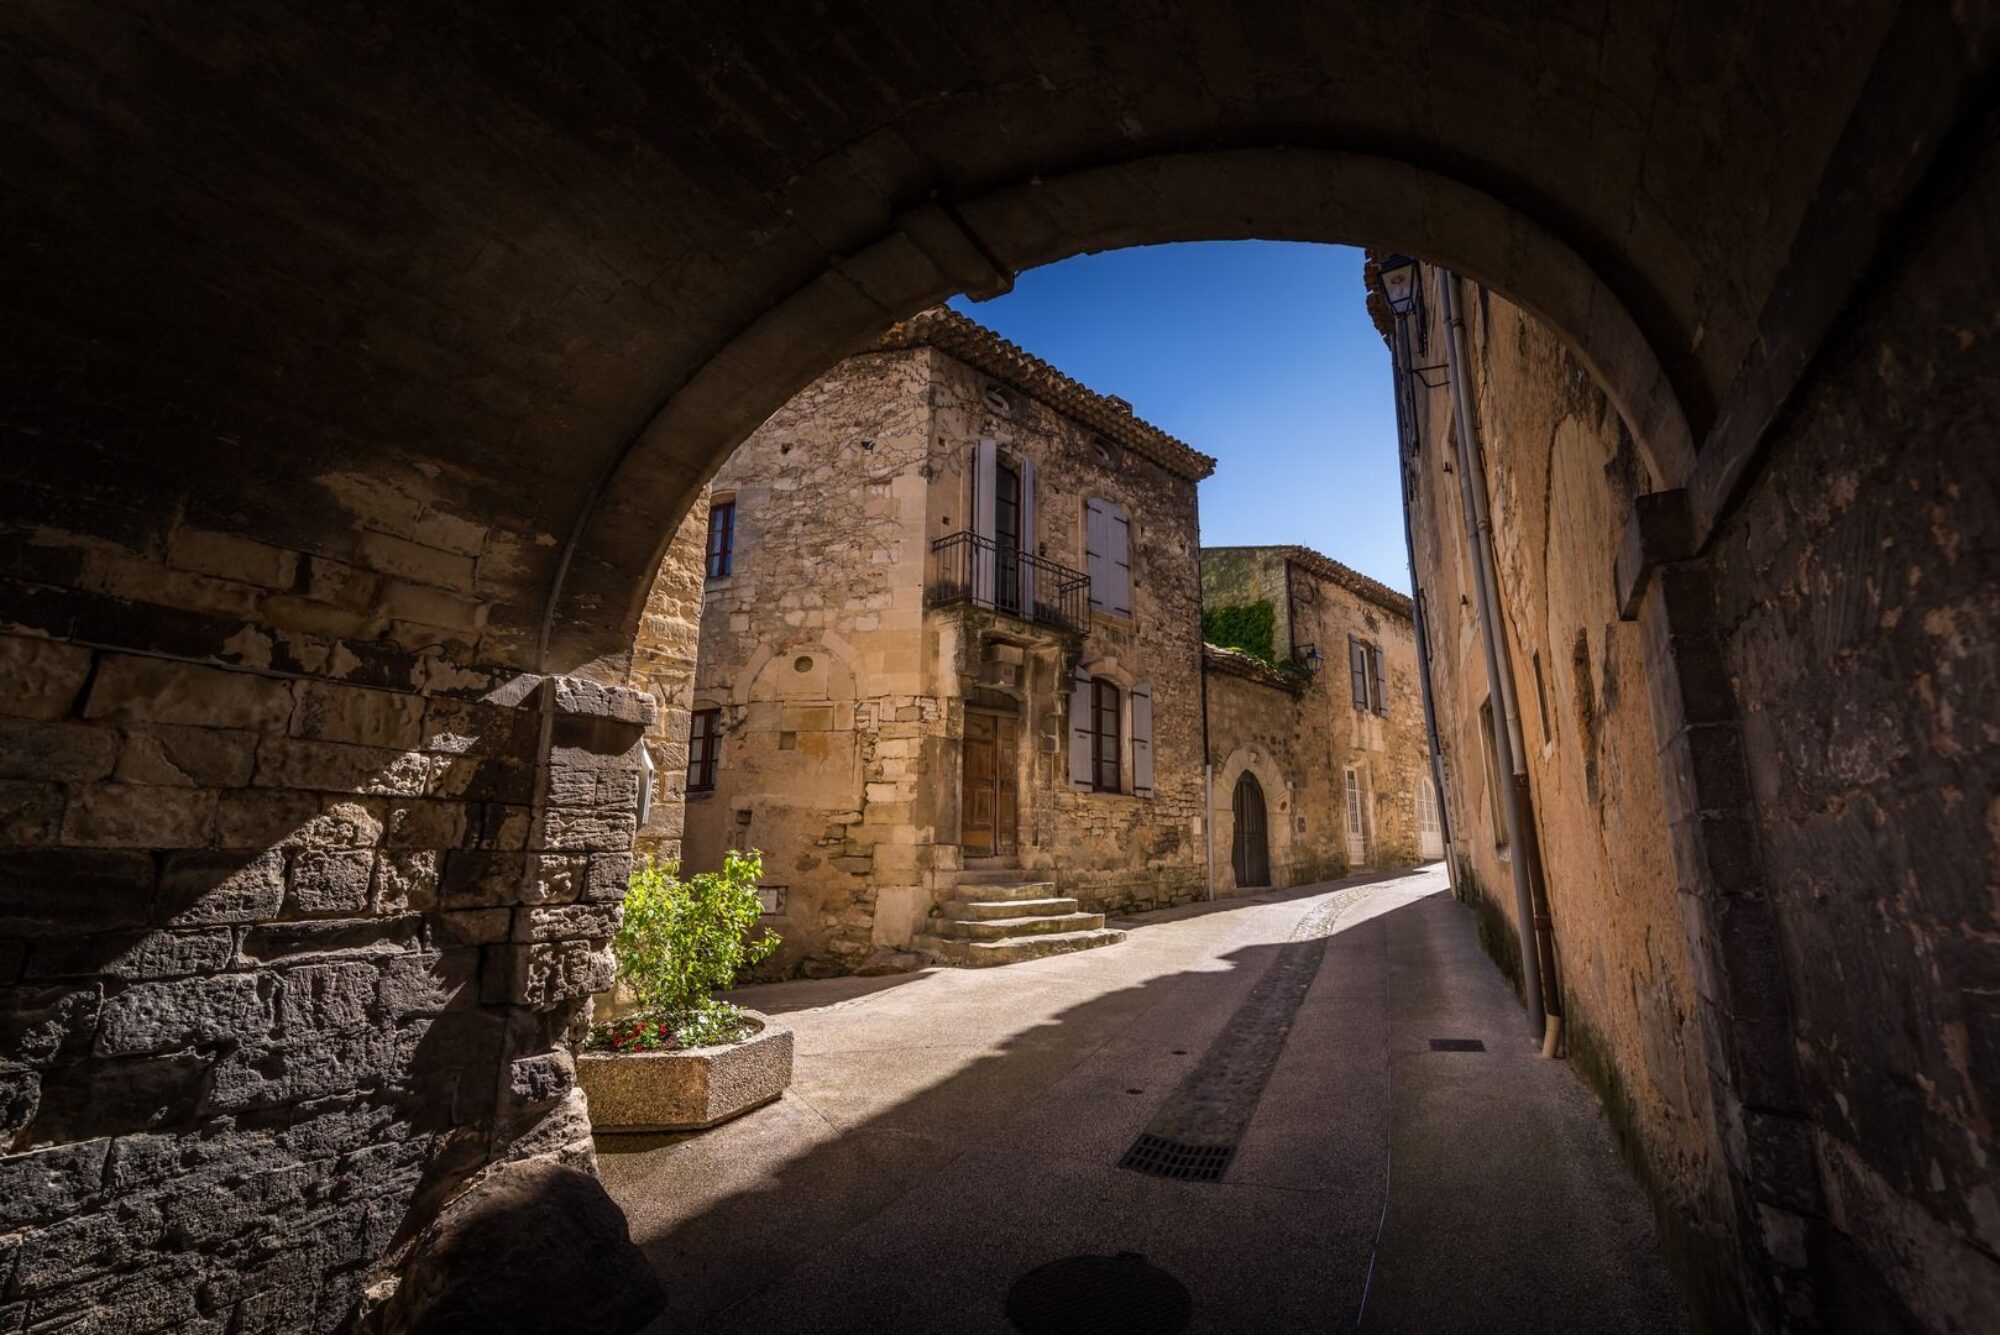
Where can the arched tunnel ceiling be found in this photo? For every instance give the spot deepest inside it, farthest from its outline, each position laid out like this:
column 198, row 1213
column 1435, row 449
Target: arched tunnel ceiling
column 273, row 263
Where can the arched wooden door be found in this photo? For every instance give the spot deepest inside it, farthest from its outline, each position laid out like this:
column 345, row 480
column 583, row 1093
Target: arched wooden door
column 1251, row 855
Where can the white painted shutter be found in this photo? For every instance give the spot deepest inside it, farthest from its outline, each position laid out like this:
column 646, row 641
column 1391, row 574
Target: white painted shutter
column 1118, row 560
column 1142, row 739
column 1079, row 730
column 1027, row 567
column 985, row 496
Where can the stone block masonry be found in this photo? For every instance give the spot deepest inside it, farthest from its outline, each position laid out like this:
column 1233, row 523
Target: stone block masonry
column 284, row 963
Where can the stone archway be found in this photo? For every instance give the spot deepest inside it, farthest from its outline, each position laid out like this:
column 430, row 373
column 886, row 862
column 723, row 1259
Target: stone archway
column 1272, row 194
column 361, row 369
column 1276, row 791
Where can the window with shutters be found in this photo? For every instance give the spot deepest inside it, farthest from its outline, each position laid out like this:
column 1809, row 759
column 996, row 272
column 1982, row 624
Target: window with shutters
column 721, row 537
column 1104, row 736
column 1107, row 546
column 704, row 749
column 1367, row 682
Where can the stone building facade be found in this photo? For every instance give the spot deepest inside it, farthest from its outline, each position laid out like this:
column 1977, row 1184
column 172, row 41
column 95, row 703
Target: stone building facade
column 1755, row 752
column 1333, row 743
column 1562, row 473
column 907, row 670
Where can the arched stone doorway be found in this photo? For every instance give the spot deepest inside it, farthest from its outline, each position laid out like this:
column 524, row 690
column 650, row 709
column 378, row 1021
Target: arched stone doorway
column 1250, row 845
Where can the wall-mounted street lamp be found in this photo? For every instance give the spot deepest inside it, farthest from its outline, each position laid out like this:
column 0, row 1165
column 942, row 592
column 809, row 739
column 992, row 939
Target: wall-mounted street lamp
column 1310, row 656
column 1399, row 282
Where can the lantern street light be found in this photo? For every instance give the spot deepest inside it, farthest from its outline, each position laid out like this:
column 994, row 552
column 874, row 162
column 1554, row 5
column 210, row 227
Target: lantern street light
column 1399, row 282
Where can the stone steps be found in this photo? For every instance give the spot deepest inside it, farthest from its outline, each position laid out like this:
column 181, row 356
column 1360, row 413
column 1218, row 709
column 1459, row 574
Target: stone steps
column 980, row 910
column 997, row 917
column 987, row 891
column 997, row 929
column 1011, row 950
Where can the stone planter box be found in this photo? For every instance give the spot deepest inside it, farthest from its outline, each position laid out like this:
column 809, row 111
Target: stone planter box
column 688, row 1089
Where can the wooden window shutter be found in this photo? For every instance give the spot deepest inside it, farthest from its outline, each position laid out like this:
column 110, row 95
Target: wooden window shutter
column 1357, row 671
column 1027, row 568
column 1079, row 731
column 1093, row 552
column 1381, row 680
column 1142, row 739
column 1118, row 559
column 985, row 499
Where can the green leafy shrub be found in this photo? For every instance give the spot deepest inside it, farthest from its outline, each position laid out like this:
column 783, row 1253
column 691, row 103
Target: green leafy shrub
column 1250, row 627
column 682, row 941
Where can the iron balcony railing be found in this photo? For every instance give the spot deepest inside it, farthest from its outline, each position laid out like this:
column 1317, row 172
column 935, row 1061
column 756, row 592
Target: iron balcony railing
column 969, row 568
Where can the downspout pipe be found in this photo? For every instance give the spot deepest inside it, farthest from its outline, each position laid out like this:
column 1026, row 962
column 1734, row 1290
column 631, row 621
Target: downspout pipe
column 1207, row 756
column 1406, row 433
column 1506, row 720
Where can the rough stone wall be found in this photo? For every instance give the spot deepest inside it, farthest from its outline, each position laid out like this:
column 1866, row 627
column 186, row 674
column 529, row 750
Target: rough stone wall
column 819, row 766
column 1112, row 851
column 1389, row 752
column 1242, row 576
column 846, row 772
column 1561, row 475
column 663, row 666
column 1858, row 595
column 1258, row 725
column 283, row 961
column 1306, row 741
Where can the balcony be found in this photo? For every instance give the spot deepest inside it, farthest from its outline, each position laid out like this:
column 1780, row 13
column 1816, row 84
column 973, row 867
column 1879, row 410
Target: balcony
column 969, row 569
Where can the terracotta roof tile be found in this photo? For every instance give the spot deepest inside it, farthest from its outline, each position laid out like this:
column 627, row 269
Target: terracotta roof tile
column 979, row 347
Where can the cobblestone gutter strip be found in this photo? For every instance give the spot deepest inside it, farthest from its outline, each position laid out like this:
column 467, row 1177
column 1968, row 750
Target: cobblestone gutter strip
column 1207, row 1112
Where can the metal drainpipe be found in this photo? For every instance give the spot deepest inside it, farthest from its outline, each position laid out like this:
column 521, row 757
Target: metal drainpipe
column 1207, row 758
column 1506, row 721
column 1406, row 432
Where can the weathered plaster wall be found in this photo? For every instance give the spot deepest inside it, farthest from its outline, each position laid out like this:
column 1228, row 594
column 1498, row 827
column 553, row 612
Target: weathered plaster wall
column 1858, row 594
column 1112, row 851
column 813, row 649
column 1561, row 474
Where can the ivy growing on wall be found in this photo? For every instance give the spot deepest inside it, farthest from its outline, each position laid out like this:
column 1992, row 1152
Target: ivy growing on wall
column 1246, row 626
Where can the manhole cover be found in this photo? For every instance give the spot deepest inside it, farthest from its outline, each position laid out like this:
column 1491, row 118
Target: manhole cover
column 1099, row 1295
column 1157, row 1156
column 1458, row 1045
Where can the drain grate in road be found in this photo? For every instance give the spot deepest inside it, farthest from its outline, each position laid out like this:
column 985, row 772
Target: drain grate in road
column 1099, row 1295
column 1458, row 1045
column 1193, row 1134
column 1156, row 1156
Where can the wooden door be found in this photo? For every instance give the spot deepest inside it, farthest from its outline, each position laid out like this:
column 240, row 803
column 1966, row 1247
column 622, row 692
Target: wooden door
column 1251, row 851
column 989, row 805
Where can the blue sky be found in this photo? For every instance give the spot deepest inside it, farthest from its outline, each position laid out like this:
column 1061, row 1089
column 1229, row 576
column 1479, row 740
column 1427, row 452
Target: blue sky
column 1257, row 352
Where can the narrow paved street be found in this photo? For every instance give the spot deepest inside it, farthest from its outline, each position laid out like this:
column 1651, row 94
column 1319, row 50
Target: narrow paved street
column 950, row 1131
